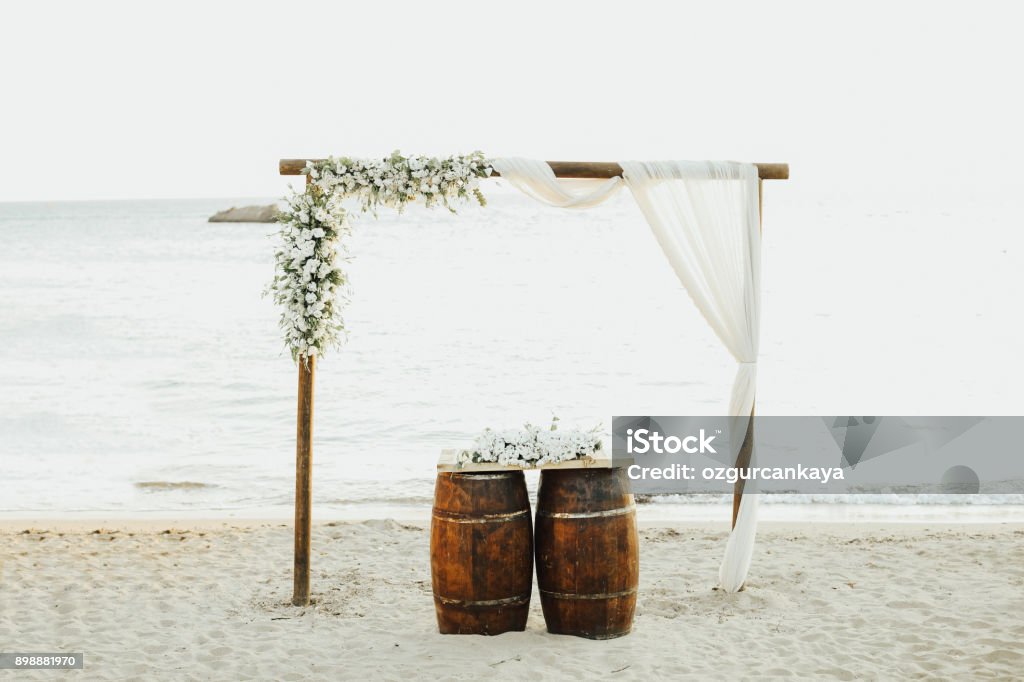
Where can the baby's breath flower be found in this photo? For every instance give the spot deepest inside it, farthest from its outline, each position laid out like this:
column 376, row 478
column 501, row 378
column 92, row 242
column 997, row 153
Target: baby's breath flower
column 309, row 283
column 531, row 446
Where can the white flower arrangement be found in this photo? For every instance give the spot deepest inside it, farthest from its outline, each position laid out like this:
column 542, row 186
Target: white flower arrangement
column 309, row 282
column 532, row 446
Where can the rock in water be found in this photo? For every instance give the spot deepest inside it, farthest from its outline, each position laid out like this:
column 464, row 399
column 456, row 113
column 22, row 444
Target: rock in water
column 246, row 214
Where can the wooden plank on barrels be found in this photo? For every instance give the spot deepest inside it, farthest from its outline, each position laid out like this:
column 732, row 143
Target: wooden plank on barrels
column 448, row 461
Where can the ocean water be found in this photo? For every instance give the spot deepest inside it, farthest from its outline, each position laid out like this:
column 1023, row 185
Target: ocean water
column 142, row 372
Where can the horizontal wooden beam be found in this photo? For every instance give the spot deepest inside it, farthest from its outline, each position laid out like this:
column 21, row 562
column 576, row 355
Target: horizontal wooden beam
column 575, row 169
column 449, row 461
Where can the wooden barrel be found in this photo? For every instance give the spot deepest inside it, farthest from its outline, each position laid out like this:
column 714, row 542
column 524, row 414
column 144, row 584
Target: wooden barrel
column 588, row 565
column 481, row 552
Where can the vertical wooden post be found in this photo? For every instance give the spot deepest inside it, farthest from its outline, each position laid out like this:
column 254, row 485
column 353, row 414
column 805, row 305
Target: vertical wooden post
column 303, row 478
column 747, row 449
column 742, row 461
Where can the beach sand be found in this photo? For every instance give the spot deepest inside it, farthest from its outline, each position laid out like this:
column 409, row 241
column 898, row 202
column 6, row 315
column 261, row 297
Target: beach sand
column 209, row 600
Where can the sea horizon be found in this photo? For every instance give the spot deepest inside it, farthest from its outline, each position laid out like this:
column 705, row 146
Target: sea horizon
column 166, row 386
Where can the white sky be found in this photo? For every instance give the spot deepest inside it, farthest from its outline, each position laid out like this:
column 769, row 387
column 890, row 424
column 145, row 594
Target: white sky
column 111, row 100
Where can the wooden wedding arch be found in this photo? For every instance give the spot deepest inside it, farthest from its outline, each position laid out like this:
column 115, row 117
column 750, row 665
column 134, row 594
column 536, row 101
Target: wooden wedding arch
column 307, row 374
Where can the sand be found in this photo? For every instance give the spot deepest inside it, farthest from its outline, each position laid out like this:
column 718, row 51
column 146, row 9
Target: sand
column 210, row 601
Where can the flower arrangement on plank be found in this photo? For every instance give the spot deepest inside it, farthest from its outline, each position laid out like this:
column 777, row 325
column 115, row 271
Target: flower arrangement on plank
column 532, row 446
column 309, row 282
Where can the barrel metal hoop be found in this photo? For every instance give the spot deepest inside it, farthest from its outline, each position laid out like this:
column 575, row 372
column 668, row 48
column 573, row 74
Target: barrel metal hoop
column 482, row 477
column 614, row 635
column 621, row 511
column 452, row 517
column 606, row 595
column 507, row 601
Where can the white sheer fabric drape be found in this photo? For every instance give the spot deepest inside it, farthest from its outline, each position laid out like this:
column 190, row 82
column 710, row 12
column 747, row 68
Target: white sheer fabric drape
column 536, row 179
column 705, row 216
